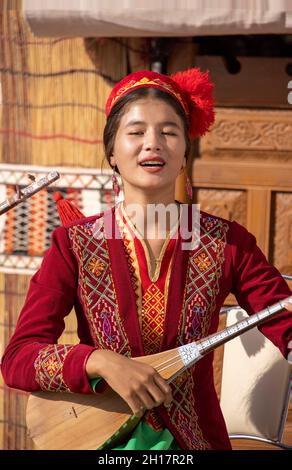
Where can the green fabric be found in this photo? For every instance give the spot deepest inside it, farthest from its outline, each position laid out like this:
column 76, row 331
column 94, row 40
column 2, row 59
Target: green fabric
column 94, row 383
column 144, row 437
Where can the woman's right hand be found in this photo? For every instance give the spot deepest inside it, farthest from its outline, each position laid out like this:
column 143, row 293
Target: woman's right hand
column 139, row 384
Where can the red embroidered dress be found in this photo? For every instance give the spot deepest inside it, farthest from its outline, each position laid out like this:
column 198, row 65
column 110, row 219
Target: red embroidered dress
column 151, row 289
column 119, row 307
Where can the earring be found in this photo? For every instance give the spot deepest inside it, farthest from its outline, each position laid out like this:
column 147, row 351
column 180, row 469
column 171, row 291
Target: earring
column 188, row 184
column 189, row 188
column 116, row 187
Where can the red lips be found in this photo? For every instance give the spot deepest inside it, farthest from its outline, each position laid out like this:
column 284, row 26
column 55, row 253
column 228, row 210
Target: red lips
column 152, row 158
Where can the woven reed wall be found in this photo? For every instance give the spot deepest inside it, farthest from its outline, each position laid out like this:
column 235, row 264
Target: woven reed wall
column 53, row 98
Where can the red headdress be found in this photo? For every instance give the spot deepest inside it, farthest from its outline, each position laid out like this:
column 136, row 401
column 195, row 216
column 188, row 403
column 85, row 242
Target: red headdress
column 192, row 88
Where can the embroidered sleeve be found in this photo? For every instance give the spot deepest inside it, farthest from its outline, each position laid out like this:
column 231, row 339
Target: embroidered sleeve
column 49, row 367
column 33, row 359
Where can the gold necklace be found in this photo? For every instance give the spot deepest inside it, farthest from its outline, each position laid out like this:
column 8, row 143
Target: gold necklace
column 128, row 218
column 158, row 260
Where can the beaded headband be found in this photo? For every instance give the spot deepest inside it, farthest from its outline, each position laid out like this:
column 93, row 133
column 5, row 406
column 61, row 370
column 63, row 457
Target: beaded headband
column 191, row 88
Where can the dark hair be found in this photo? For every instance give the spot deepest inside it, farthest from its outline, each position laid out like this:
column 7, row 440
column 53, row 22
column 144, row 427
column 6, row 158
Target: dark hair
column 114, row 118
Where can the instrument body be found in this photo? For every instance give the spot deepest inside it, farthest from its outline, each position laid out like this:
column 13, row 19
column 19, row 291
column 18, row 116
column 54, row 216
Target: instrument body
column 67, row 421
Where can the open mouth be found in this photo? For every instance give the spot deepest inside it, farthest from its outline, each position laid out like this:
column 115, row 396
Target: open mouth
column 152, row 164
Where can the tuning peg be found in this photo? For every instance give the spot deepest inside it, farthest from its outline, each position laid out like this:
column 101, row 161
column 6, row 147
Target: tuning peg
column 18, row 191
column 31, row 177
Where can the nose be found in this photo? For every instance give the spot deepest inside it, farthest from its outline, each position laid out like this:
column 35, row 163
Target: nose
column 152, row 147
column 152, row 142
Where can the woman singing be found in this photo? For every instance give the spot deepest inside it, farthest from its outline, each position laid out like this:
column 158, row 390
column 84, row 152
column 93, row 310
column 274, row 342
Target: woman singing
column 136, row 285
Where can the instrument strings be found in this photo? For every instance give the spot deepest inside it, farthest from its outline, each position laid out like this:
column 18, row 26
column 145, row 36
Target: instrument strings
column 176, row 359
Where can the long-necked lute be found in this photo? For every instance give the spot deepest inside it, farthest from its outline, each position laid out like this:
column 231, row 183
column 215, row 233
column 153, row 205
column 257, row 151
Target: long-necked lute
column 28, row 191
column 87, row 422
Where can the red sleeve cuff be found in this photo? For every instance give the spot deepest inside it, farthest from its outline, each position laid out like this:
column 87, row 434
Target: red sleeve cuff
column 74, row 373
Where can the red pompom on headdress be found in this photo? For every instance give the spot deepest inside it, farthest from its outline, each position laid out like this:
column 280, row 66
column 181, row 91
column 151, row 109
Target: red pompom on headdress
column 199, row 89
column 192, row 88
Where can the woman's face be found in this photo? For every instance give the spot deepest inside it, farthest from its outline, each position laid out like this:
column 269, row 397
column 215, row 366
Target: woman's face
column 150, row 134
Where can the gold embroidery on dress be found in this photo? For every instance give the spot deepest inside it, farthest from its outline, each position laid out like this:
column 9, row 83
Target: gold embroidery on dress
column 96, row 266
column 203, row 262
column 153, row 318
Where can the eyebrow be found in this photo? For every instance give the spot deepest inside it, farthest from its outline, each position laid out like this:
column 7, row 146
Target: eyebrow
column 164, row 123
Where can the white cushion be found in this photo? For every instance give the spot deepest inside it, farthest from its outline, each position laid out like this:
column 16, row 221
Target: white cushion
column 255, row 383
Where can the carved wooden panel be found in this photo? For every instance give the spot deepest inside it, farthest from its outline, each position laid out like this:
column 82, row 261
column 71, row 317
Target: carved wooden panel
column 281, row 249
column 249, row 129
column 230, row 205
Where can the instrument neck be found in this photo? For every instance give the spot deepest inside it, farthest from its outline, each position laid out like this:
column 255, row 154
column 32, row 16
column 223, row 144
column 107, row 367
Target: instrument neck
column 192, row 352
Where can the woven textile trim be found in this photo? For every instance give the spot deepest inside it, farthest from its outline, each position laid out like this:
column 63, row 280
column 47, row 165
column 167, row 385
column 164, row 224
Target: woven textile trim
column 25, row 230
